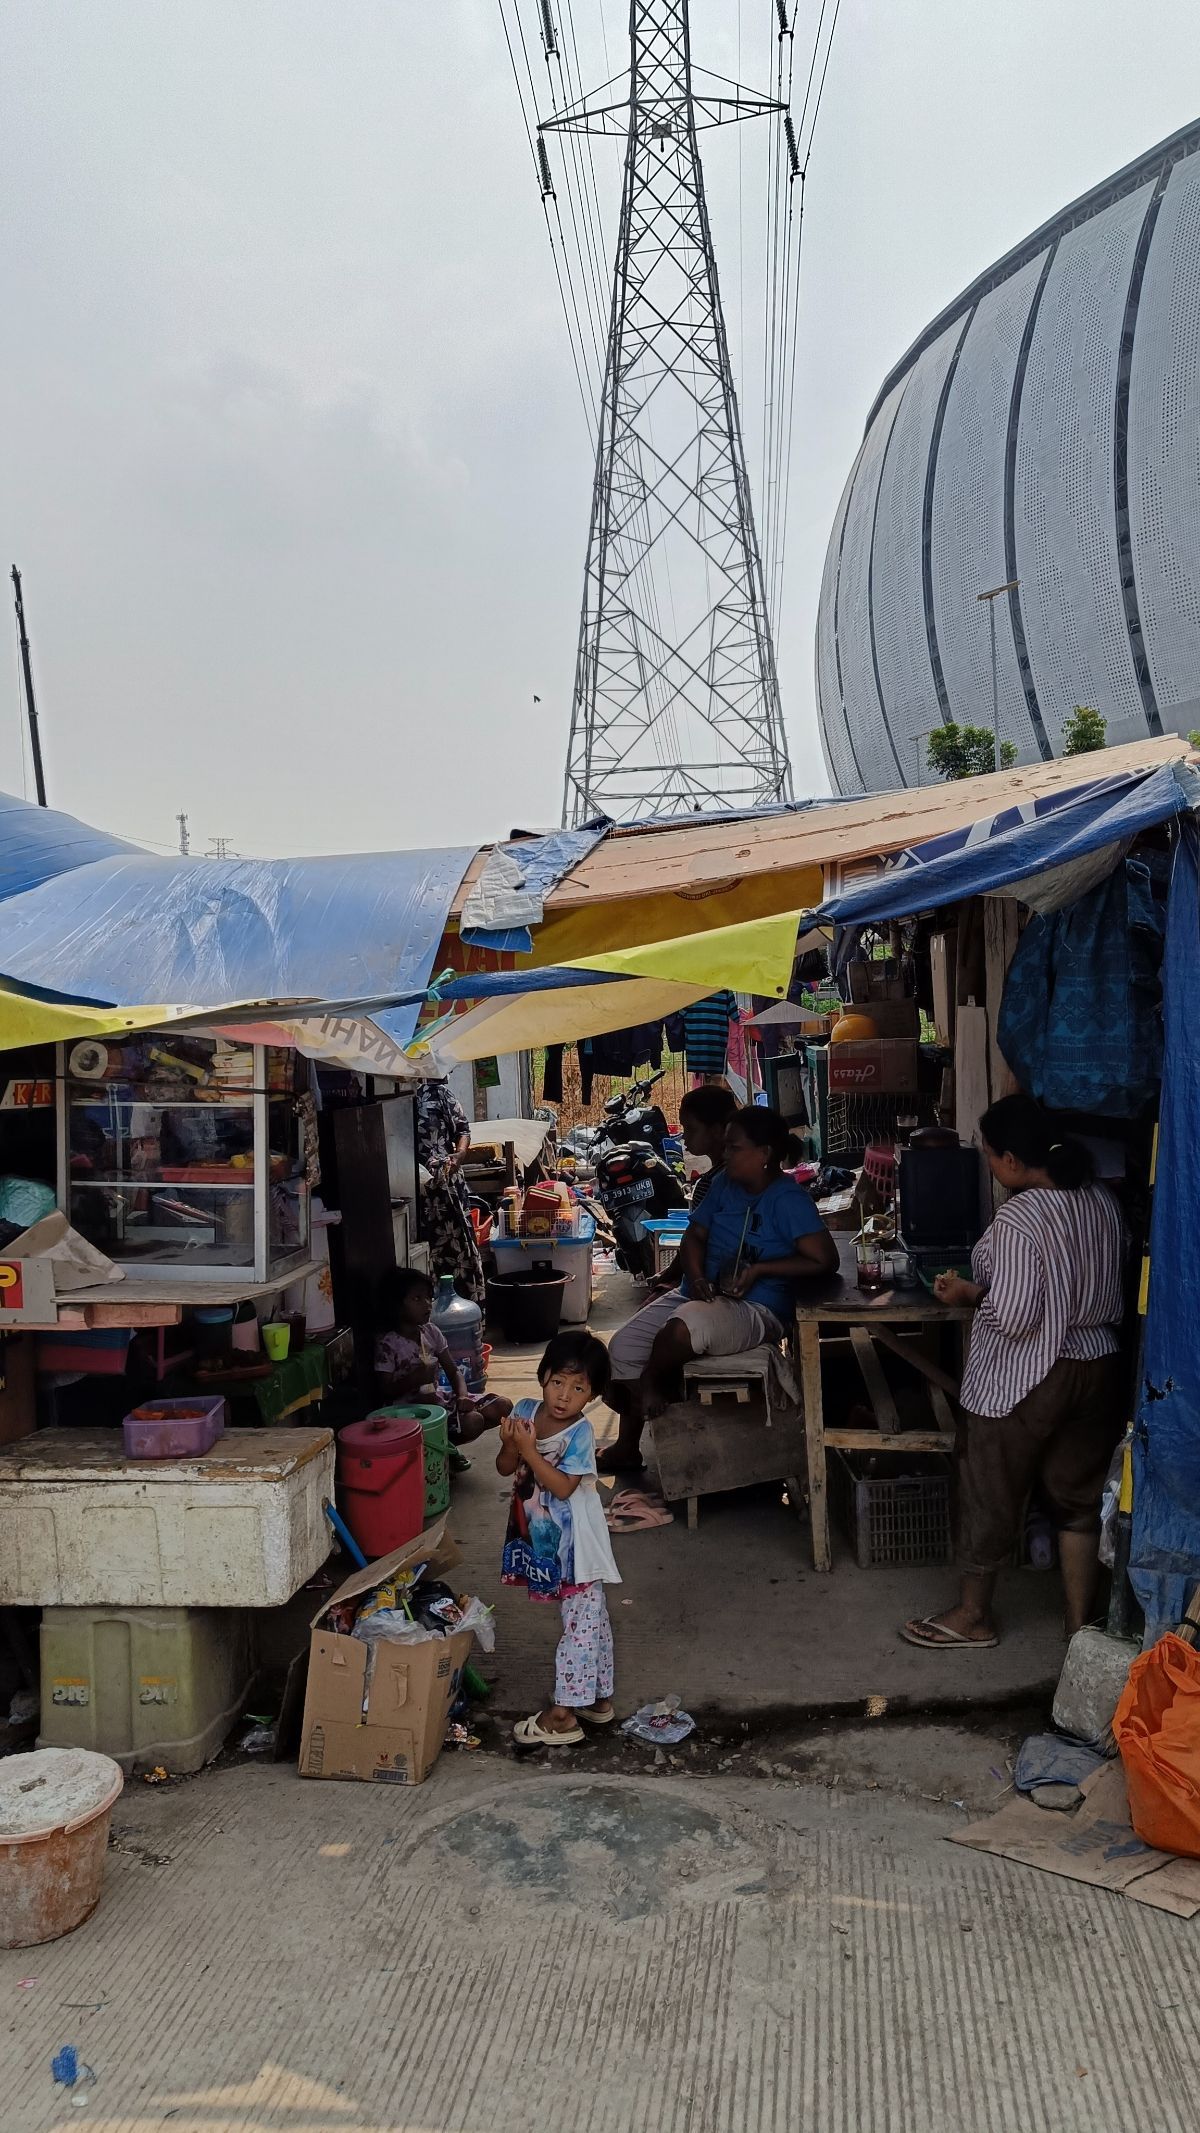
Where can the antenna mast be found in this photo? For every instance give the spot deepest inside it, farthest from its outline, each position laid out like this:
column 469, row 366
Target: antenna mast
column 35, row 744
column 676, row 704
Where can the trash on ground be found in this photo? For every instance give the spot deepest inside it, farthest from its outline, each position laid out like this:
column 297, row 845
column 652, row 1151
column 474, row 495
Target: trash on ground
column 1096, row 1845
column 157, row 1776
column 394, row 1642
column 1048, row 1759
column 660, row 1722
column 460, row 1736
column 259, row 1739
column 1157, row 1731
column 65, row 2066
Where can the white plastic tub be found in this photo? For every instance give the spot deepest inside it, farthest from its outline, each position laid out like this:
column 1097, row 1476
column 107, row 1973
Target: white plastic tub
column 82, row 1525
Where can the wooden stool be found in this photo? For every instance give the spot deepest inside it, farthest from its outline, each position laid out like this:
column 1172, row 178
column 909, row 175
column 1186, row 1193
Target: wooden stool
column 724, row 1434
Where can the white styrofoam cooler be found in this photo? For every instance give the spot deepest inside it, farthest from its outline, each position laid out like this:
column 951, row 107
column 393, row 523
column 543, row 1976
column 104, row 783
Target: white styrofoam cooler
column 81, row 1525
column 515, row 1255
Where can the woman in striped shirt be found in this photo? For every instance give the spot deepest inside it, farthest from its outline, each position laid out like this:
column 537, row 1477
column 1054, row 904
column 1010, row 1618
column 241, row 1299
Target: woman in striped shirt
column 1042, row 1391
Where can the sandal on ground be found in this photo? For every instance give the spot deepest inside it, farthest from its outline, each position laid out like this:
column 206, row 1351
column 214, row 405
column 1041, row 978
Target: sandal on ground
column 597, row 1718
column 459, row 1462
column 612, row 1460
column 930, row 1635
column 531, row 1733
column 637, row 1511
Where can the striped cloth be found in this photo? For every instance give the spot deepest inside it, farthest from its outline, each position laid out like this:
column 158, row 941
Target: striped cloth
column 706, row 1032
column 1051, row 1265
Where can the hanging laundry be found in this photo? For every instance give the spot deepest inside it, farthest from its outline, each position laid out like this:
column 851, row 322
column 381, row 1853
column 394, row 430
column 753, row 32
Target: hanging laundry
column 706, row 1032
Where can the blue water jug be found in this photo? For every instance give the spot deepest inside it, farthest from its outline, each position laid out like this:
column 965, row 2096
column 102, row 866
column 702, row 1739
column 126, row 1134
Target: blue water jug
column 462, row 1323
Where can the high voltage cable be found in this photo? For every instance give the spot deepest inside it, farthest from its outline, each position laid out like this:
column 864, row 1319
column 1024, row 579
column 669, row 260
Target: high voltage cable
column 588, row 411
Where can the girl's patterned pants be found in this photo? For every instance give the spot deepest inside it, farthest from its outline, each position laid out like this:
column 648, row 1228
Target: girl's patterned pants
column 583, row 1665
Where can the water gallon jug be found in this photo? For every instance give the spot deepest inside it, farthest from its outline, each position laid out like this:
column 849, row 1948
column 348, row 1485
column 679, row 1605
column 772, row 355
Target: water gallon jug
column 462, row 1323
column 381, row 1481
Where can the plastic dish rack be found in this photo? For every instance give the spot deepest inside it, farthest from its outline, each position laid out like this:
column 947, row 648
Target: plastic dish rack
column 579, row 1227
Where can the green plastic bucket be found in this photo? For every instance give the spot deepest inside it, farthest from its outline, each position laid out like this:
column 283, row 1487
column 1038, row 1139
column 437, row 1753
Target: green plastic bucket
column 435, row 1429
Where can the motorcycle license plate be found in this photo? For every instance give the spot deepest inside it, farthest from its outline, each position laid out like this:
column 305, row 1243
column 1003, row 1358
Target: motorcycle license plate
column 628, row 1195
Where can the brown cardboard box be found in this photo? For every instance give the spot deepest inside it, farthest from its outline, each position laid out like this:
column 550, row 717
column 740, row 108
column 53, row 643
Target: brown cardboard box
column 892, row 1018
column 888, row 1068
column 388, row 1729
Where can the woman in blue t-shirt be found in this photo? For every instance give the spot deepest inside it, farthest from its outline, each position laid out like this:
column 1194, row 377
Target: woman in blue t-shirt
column 748, row 1247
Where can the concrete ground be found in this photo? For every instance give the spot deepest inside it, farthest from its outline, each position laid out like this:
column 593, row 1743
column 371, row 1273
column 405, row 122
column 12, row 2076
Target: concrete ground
column 733, row 1618
column 516, row 1946
column 760, row 1931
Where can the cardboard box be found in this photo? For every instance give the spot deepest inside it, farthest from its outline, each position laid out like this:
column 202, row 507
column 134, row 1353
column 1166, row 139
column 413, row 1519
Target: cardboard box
column 385, row 1726
column 888, row 1068
column 892, row 1018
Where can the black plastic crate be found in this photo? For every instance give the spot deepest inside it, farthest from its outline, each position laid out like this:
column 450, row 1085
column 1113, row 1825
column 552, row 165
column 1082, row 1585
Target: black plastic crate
column 893, row 1507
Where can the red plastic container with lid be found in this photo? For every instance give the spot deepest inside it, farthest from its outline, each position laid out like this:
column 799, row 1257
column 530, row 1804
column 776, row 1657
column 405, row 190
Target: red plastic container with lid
column 381, row 1481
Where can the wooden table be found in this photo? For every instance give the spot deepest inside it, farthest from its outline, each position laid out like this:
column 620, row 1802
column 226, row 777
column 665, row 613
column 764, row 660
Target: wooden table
column 867, row 1320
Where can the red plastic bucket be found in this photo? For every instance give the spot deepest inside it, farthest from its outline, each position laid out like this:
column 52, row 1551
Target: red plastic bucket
column 381, row 1481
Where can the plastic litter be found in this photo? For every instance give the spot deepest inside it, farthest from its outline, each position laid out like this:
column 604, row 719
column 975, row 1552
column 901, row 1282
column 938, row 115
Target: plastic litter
column 259, row 1739
column 661, row 1722
column 65, row 2066
column 24, row 1707
column 1157, row 1730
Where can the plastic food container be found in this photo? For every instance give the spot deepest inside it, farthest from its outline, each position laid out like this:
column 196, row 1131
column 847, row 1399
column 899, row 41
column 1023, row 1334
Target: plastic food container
column 174, row 1429
column 55, row 1808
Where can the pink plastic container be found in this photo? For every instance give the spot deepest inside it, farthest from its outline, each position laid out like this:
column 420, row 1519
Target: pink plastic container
column 173, row 1429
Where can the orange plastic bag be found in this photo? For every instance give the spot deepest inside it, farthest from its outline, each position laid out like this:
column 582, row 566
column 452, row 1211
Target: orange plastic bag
column 1157, row 1729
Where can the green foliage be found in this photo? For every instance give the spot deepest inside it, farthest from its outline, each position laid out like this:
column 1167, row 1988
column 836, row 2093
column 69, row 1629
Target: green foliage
column 1194, row 738
column 1084, row 731
column 967, row 751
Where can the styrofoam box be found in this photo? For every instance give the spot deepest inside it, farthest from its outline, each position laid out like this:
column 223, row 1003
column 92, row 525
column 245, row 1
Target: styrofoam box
column 82, row 1525
column 516, row 1255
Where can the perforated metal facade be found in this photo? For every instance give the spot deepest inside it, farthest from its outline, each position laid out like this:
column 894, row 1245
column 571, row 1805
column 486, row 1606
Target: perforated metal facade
column 1046, row 427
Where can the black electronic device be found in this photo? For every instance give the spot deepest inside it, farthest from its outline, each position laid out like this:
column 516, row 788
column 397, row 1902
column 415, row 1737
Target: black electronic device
column 941, row 1200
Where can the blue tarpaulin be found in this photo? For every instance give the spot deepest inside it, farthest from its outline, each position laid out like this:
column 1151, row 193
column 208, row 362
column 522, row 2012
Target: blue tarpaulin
column 1165, row 1559
column 36, row 843
column 516, row 878
column 1000, row 853
column 92, row 919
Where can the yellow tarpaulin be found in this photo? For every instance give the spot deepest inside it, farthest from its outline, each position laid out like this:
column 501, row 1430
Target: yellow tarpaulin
column 628, row 921
column 522, row 1022
column 24, row 1021
column 661, row 977
column 747, row 958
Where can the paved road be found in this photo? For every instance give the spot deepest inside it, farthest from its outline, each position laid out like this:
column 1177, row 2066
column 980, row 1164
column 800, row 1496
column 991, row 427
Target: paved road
column 516, row 1947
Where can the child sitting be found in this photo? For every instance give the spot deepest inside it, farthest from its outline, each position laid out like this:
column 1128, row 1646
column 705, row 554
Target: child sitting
column 557, row 1544
column 409, row 1353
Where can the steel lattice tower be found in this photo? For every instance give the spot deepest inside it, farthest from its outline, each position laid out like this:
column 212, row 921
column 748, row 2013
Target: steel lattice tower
column 676, row 703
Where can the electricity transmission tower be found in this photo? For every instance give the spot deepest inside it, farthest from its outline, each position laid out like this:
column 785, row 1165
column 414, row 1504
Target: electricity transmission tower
column 676, row 702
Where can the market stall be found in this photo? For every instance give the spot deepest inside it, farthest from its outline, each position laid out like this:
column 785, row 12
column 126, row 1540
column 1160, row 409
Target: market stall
column 1089, row 1001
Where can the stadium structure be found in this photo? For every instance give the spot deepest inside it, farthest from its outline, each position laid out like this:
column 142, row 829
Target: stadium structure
column 1041, row 436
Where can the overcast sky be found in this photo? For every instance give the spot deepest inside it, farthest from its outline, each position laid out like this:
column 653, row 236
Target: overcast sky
column 293, row 460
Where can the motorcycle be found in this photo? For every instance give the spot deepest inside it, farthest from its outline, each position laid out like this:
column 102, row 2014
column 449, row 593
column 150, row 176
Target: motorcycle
column 634, row 1179
column 632, row 1118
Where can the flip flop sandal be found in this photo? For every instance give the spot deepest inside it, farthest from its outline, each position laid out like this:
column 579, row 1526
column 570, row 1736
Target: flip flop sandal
column 591, row 1718
column 459, row 1462
column 942, row 1639
column 632, row 1512
column 530, row 1733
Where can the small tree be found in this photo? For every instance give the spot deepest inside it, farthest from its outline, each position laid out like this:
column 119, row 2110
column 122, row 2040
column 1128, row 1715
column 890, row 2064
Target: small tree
column 1084, row 731
column 967, row 751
